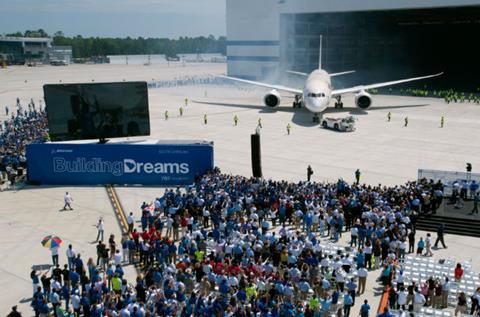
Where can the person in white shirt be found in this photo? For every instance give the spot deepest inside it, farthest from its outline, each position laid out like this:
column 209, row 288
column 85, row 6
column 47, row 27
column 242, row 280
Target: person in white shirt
column 125, row 312
column 68, row 200
column 354, row 235
column 362, row 274
column 54, row 251
column 206, row 216
column 55, row 285
column 70, row 256
column 100, row 228
column 428, row 245
column 130, row 222
column 76, row 303
column 418, row 301
column 445, row 291
column 117, row 258
column 402, row 298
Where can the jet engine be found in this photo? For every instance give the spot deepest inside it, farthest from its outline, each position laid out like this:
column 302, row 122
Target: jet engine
column 363, row 100
column 272, row 99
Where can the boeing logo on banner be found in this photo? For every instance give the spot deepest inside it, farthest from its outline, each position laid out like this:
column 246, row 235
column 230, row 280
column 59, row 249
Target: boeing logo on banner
column 117, row 168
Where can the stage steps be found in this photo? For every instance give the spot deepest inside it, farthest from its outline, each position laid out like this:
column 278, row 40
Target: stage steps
column 465, row 227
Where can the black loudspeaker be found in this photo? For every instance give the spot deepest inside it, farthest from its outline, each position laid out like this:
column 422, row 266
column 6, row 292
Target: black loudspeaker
column 256, row 155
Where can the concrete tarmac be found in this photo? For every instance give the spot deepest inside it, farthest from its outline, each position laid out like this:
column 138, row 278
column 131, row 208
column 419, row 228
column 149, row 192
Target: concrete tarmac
column 385, row 152
column 31, row 213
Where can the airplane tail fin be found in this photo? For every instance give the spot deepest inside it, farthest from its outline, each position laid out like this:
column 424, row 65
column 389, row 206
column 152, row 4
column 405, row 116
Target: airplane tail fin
column 320, row 53
column 342, row 73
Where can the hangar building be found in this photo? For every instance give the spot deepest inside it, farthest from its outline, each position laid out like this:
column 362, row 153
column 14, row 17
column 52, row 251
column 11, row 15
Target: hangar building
column 381, row 40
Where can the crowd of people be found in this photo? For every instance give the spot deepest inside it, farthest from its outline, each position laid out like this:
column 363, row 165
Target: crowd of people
column 24, row 125
column 195, row 80
column 448, row 95
column 236, row 246
column 433, row 292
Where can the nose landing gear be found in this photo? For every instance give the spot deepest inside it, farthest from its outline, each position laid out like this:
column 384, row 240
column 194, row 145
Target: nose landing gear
column 316, row 118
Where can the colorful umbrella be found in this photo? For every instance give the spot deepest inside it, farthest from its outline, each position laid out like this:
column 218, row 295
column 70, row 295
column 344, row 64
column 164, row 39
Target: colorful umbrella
column 51, row 241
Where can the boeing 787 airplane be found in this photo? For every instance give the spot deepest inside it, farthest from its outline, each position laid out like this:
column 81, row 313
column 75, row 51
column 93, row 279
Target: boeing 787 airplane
column 318, row 91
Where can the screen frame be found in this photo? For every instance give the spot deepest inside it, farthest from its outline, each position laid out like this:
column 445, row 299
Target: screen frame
column 57, row 135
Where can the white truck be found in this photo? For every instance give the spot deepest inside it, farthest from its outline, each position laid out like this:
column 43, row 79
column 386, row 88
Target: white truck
column 339, row 124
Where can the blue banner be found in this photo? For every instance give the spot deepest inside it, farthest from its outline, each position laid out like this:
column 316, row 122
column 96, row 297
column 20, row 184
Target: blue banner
column 118, row 163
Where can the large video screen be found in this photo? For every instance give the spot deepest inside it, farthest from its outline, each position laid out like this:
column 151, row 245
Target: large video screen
column 97, row 110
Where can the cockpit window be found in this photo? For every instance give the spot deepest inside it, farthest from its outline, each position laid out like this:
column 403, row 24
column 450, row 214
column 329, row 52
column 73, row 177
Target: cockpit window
column 313, row 95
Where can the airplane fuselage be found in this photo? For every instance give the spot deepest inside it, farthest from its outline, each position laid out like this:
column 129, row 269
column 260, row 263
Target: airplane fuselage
column 317, row 92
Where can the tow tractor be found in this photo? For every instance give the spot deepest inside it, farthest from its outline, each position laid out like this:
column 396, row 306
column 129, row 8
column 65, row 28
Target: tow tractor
column 340, row 124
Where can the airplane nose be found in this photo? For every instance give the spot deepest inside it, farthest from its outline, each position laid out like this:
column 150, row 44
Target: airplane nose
column 317, row 105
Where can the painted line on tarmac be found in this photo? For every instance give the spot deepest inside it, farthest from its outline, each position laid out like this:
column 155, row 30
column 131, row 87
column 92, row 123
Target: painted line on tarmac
column 120, row 215
column 117, row 208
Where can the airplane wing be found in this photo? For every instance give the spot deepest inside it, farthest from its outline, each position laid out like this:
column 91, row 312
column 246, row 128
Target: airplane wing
column 378, row 85
column 297, row 73
column 342, row 73
column 265, row 85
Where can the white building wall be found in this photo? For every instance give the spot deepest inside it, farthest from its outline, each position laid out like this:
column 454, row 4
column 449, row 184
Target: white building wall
column 252, row 37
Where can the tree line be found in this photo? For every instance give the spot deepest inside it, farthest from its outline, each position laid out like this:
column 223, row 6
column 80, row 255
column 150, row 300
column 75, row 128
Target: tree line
column 85, row 47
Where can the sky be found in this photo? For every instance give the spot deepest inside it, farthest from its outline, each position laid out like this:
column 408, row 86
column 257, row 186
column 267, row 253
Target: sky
column 115, row 18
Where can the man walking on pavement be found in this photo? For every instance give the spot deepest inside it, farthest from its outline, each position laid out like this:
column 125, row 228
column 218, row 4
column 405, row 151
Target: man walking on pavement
column 100, row 229
column 289, row 127
column 365, row 309
column 406, row 122
column 389, row 116
column 68, row 200
column 440, row 234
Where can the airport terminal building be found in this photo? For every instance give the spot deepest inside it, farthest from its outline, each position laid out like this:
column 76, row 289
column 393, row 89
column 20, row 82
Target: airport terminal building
column 381, row 40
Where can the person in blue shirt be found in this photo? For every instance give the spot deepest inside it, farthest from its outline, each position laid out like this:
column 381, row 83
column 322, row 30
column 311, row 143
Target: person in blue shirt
column 55, row 301
column 78, row 262
column 35, row 280
column 386, row 313
column 360, row 258
column 347, row 304
column 326, row 303
column 85, row 302
column 335, row 297
column 74, row 278
column 43, row 308
column 352, row 287
column 420, row 246
column 66, row 295
column 365, row 309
